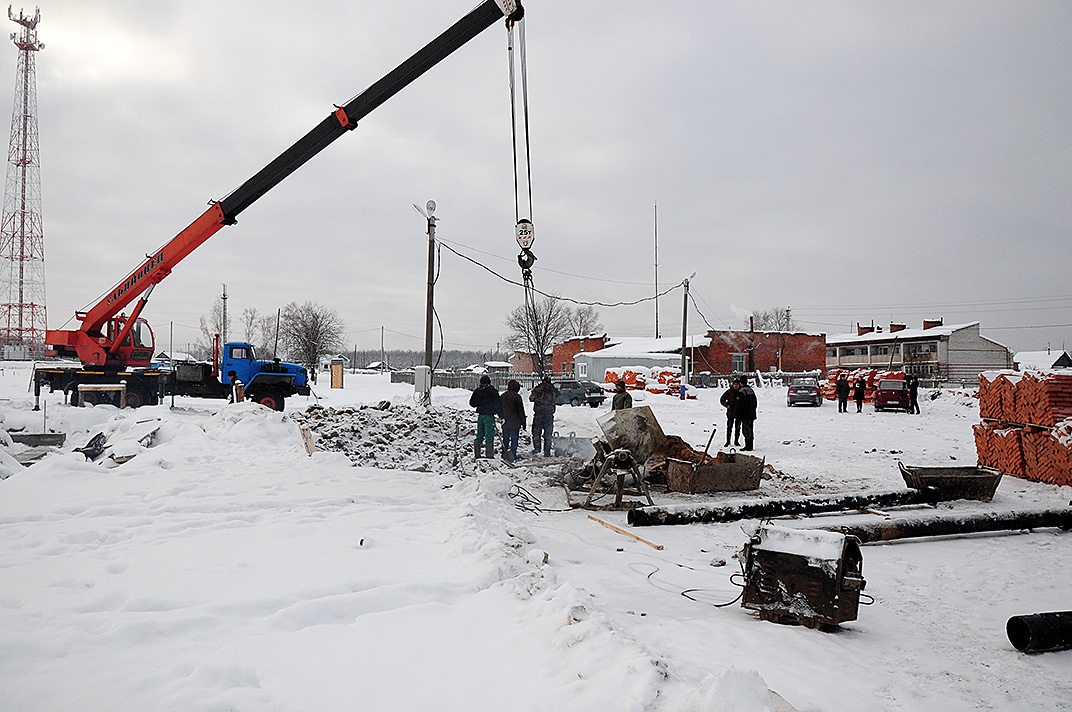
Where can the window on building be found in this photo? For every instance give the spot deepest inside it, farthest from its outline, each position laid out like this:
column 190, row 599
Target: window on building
column 582, row 369
column 831, row 352
column 740, row 362
column 929, row 347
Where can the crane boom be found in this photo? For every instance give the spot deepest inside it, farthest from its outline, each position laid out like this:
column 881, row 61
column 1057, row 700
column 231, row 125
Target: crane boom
column 104, row 339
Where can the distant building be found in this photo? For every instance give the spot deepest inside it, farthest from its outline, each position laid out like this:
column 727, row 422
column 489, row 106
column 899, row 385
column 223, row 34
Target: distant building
column 741, row 351
column 523, row 362
column 563, row 354
column 628, row 351
column 1041, row 360
column 957, row 351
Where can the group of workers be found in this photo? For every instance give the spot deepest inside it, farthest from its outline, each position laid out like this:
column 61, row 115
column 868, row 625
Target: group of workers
column 511, row 408
column 739, row 401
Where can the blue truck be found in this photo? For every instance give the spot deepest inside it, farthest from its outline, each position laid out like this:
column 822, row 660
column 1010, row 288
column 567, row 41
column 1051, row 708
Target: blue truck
column 268, row 382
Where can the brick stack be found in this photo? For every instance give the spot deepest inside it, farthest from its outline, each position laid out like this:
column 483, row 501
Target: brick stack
column 871, row 377
column 1027, row 428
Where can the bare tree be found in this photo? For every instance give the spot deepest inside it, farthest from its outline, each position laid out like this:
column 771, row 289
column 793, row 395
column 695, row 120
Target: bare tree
column 249, row 323
column 267, row 333
column 212, row 325
column 584, row 320
column 773, row 319
column 537, row 328
column 309, row 331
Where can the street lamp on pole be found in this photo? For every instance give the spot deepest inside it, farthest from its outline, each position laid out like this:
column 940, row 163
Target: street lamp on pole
column 429, row 214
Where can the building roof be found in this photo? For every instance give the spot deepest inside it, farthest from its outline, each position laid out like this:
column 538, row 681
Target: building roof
column 902, row 335
column 1040, row 360
column 649, row 346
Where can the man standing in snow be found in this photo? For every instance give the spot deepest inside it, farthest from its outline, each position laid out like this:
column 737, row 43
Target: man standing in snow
column 488, row 404
column 745, row 411
column 513, row 419
column 622, row 399
column 859, row 388
column 729, row 402
column 842, row 392
column 543, row 416
column 913, row 395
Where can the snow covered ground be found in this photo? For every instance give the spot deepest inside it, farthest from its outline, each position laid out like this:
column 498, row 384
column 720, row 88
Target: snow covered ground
column 220, row 567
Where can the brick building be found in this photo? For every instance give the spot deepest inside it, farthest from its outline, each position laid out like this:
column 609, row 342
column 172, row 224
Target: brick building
column 739, row 351
column 562, row 356
column 956, row 351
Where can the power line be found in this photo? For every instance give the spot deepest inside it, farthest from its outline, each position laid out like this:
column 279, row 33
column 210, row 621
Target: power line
column 565, row 299
column 545, row 269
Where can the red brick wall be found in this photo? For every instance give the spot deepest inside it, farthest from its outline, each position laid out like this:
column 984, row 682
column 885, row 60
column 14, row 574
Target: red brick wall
column 800, row 352
column 563, row 353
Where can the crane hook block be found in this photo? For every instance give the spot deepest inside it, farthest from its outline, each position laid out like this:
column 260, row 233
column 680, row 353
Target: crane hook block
column 525, row 233
column 340, row 114
column 525, row 260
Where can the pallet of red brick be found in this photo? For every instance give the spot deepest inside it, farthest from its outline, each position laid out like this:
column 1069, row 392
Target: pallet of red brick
column 1044, row 398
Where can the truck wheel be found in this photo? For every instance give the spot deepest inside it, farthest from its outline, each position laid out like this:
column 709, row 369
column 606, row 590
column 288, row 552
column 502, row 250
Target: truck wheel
column 270, row 400
column 135, row 399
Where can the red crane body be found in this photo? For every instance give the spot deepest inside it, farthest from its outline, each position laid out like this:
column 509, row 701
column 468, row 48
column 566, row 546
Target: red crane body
column 107, row 339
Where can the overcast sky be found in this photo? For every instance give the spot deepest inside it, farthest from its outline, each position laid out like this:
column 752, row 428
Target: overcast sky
column 855, row 161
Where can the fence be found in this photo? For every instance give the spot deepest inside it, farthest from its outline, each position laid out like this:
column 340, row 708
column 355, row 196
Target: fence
column 469, row 381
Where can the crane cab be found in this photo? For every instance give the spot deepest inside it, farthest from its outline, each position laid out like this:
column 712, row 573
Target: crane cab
column 136, row 346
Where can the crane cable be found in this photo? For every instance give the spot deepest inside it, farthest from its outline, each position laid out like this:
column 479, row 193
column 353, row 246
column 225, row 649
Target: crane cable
column 525, row 114
column 526, row 259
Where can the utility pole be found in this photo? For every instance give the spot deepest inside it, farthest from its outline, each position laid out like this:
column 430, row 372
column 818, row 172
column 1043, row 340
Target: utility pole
column 223, row 327
column 656, row 270
column 429, row 215
column 684, row 331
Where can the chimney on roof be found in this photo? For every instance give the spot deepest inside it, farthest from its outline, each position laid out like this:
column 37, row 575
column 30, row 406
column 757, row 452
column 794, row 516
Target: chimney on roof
column 931, row 323
column 861, row 330
column 897, row 327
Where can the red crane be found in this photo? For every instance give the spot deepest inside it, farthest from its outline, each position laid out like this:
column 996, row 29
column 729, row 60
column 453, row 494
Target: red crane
column 110, row 340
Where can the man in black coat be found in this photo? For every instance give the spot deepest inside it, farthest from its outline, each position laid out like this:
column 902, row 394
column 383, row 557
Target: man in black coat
column 859, row 389
column 913, row 395
column 488, row 404
column 513, row 419
column 745, row 411
column 543, row 415
column 842, row 392
column 729, row 402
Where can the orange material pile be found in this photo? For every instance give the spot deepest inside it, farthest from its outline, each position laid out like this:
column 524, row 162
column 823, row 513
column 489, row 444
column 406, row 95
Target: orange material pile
column 1031, row 398
column 871, row 377
column 1029, row 433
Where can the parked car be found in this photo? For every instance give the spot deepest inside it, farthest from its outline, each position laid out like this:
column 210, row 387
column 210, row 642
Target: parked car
column 578, row 392
column 892, row 393
column 804, row 390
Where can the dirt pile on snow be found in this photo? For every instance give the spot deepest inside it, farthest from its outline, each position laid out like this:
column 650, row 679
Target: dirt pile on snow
column 393, row 436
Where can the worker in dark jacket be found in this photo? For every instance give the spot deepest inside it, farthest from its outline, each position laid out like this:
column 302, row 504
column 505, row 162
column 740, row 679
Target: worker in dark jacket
column 543, row 416
column 842, row 392
column 913, row 395
column 513, row 419
column 622, row 399
column 745, row 411
column 729, row 402
column 859, row 388
column 488, row 404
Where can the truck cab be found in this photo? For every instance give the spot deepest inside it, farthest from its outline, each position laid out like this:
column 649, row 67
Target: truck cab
column 267, row 382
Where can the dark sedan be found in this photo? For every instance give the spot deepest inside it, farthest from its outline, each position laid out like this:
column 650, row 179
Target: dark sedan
column 804, row 390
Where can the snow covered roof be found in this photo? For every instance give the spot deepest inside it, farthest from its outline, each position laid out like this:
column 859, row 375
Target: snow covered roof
column 497, row 364
column 1040, row 360
column 902, row 335
column 640, row 346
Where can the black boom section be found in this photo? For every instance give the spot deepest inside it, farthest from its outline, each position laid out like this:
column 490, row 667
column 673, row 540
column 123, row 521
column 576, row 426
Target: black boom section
column 360, row 106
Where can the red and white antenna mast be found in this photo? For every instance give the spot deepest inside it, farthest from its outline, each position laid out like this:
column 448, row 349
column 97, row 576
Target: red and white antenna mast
column 22, row 241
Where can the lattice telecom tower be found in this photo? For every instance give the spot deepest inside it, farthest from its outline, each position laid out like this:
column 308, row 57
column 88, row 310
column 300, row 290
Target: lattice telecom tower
column 22, row 241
